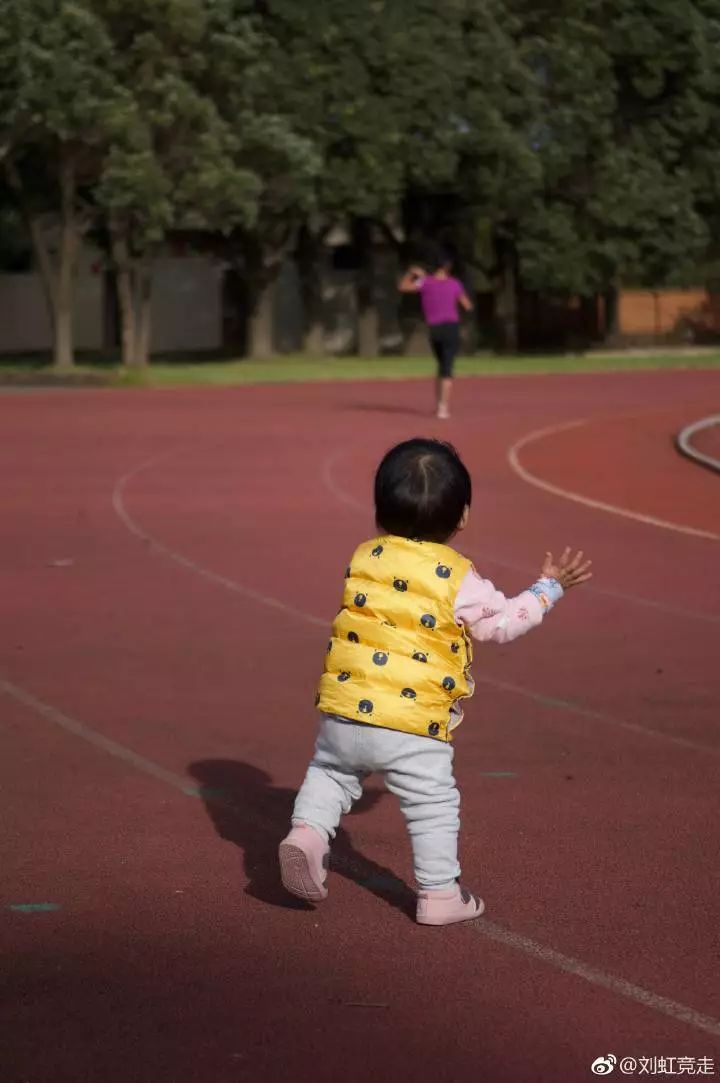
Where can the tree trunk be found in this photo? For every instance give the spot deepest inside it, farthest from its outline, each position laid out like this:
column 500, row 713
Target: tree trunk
column 367, row 315
column 367, row 330
column 63, row 316
column 506, row 297
column 133, row 281
column 262, row 266
column 126, row 304
column 260, row 343
column 62, row 333
column 308, row 256
column 125, row 287
column 314, row 338
column 144, row 315
column 612, row 316
column 58, row 281
column 42, row 255
column 589, row 313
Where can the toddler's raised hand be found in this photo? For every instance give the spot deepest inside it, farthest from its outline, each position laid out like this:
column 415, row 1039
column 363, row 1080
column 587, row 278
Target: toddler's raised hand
column 569, row 571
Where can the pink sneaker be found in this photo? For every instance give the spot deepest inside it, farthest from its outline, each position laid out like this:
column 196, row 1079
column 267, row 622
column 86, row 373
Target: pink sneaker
column 304, row 858
column 448, row 906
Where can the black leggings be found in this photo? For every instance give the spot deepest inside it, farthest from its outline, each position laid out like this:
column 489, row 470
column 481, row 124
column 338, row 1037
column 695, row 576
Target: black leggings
column 445, row 342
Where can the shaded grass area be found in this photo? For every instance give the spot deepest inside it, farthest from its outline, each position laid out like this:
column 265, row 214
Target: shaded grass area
column 224, row 372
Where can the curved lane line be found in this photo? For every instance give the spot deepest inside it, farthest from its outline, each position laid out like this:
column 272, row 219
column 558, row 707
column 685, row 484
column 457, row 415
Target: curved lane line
column 684, row 442
column 118, row 503
column 577, row 498
column 342, row 497
column 264, row 599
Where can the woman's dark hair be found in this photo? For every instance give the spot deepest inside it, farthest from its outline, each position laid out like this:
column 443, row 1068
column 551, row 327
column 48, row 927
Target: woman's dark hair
column 439, row 259
column 421, row 490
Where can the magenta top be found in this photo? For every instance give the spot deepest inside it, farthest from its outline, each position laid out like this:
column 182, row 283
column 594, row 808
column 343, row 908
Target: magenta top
column 440, row 298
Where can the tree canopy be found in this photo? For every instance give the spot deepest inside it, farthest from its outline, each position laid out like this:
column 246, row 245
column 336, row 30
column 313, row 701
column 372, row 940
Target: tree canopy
column 569, row 147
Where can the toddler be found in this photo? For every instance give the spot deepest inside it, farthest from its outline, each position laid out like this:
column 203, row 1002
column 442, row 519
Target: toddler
column 397, row 671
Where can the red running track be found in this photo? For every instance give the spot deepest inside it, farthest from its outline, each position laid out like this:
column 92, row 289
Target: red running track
column 170, row 563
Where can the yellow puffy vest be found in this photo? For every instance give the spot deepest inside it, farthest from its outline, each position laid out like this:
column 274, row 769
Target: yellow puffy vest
column 397, row 657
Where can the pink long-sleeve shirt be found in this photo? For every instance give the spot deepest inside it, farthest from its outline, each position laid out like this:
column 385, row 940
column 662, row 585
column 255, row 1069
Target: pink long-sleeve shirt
column 490, row 617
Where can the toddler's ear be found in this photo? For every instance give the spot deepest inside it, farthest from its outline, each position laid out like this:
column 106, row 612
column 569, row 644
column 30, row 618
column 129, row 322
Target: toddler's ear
column 464, row 518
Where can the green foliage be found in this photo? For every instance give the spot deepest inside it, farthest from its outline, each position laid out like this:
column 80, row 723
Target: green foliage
column 625, row 101
column 573, row 143
column 173, row 160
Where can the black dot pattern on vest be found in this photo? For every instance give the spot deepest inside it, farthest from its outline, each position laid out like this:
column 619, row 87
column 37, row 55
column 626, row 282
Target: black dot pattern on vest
column 360, row 600
column 377, row 551
column 433, row 729
column 409, row 693
column 443, row 572
column 365, row 706
column 448, row 684
column 353, row 637
column 428, row 621
column 380, row 658
column 400, row 584
column 344, row 676
column 455, row 647
column 419, row 656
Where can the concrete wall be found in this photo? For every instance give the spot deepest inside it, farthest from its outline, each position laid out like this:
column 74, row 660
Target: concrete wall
column 186, row 304
column 186, row 308
column 24, row 318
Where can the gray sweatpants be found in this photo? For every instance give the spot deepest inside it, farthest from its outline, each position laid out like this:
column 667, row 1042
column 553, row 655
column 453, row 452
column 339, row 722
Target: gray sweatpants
column 418, row 770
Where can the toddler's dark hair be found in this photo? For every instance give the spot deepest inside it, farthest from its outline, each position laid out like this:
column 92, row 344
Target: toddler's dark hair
column 421, row 490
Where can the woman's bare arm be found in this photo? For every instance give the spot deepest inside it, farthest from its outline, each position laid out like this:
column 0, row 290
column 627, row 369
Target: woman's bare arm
column 412, row 280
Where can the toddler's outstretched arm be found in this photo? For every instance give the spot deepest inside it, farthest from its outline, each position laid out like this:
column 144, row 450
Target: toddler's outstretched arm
column 491, row 617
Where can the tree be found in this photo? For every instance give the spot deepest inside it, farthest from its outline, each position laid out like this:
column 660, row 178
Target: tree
column 138, row 119
column 286, row 165
column 701, row 153
column 249, row 88
column 471, row 167
column 370, row 84
column 174, row 160
column 620, row 110
column 66, row 98
column 13, row 33
column 574, row 168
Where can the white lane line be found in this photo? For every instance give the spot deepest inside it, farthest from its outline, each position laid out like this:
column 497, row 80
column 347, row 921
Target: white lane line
column 513, row 458
column 671, row 1008
column 328, row 478
column 93, row 737
column 599, row 716
column 310, row 618
column 118, row 503
column 533, row 949
column 684, row 442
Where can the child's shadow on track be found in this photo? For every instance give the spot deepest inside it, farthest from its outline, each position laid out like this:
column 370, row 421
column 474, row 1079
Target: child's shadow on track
column 249, row 811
